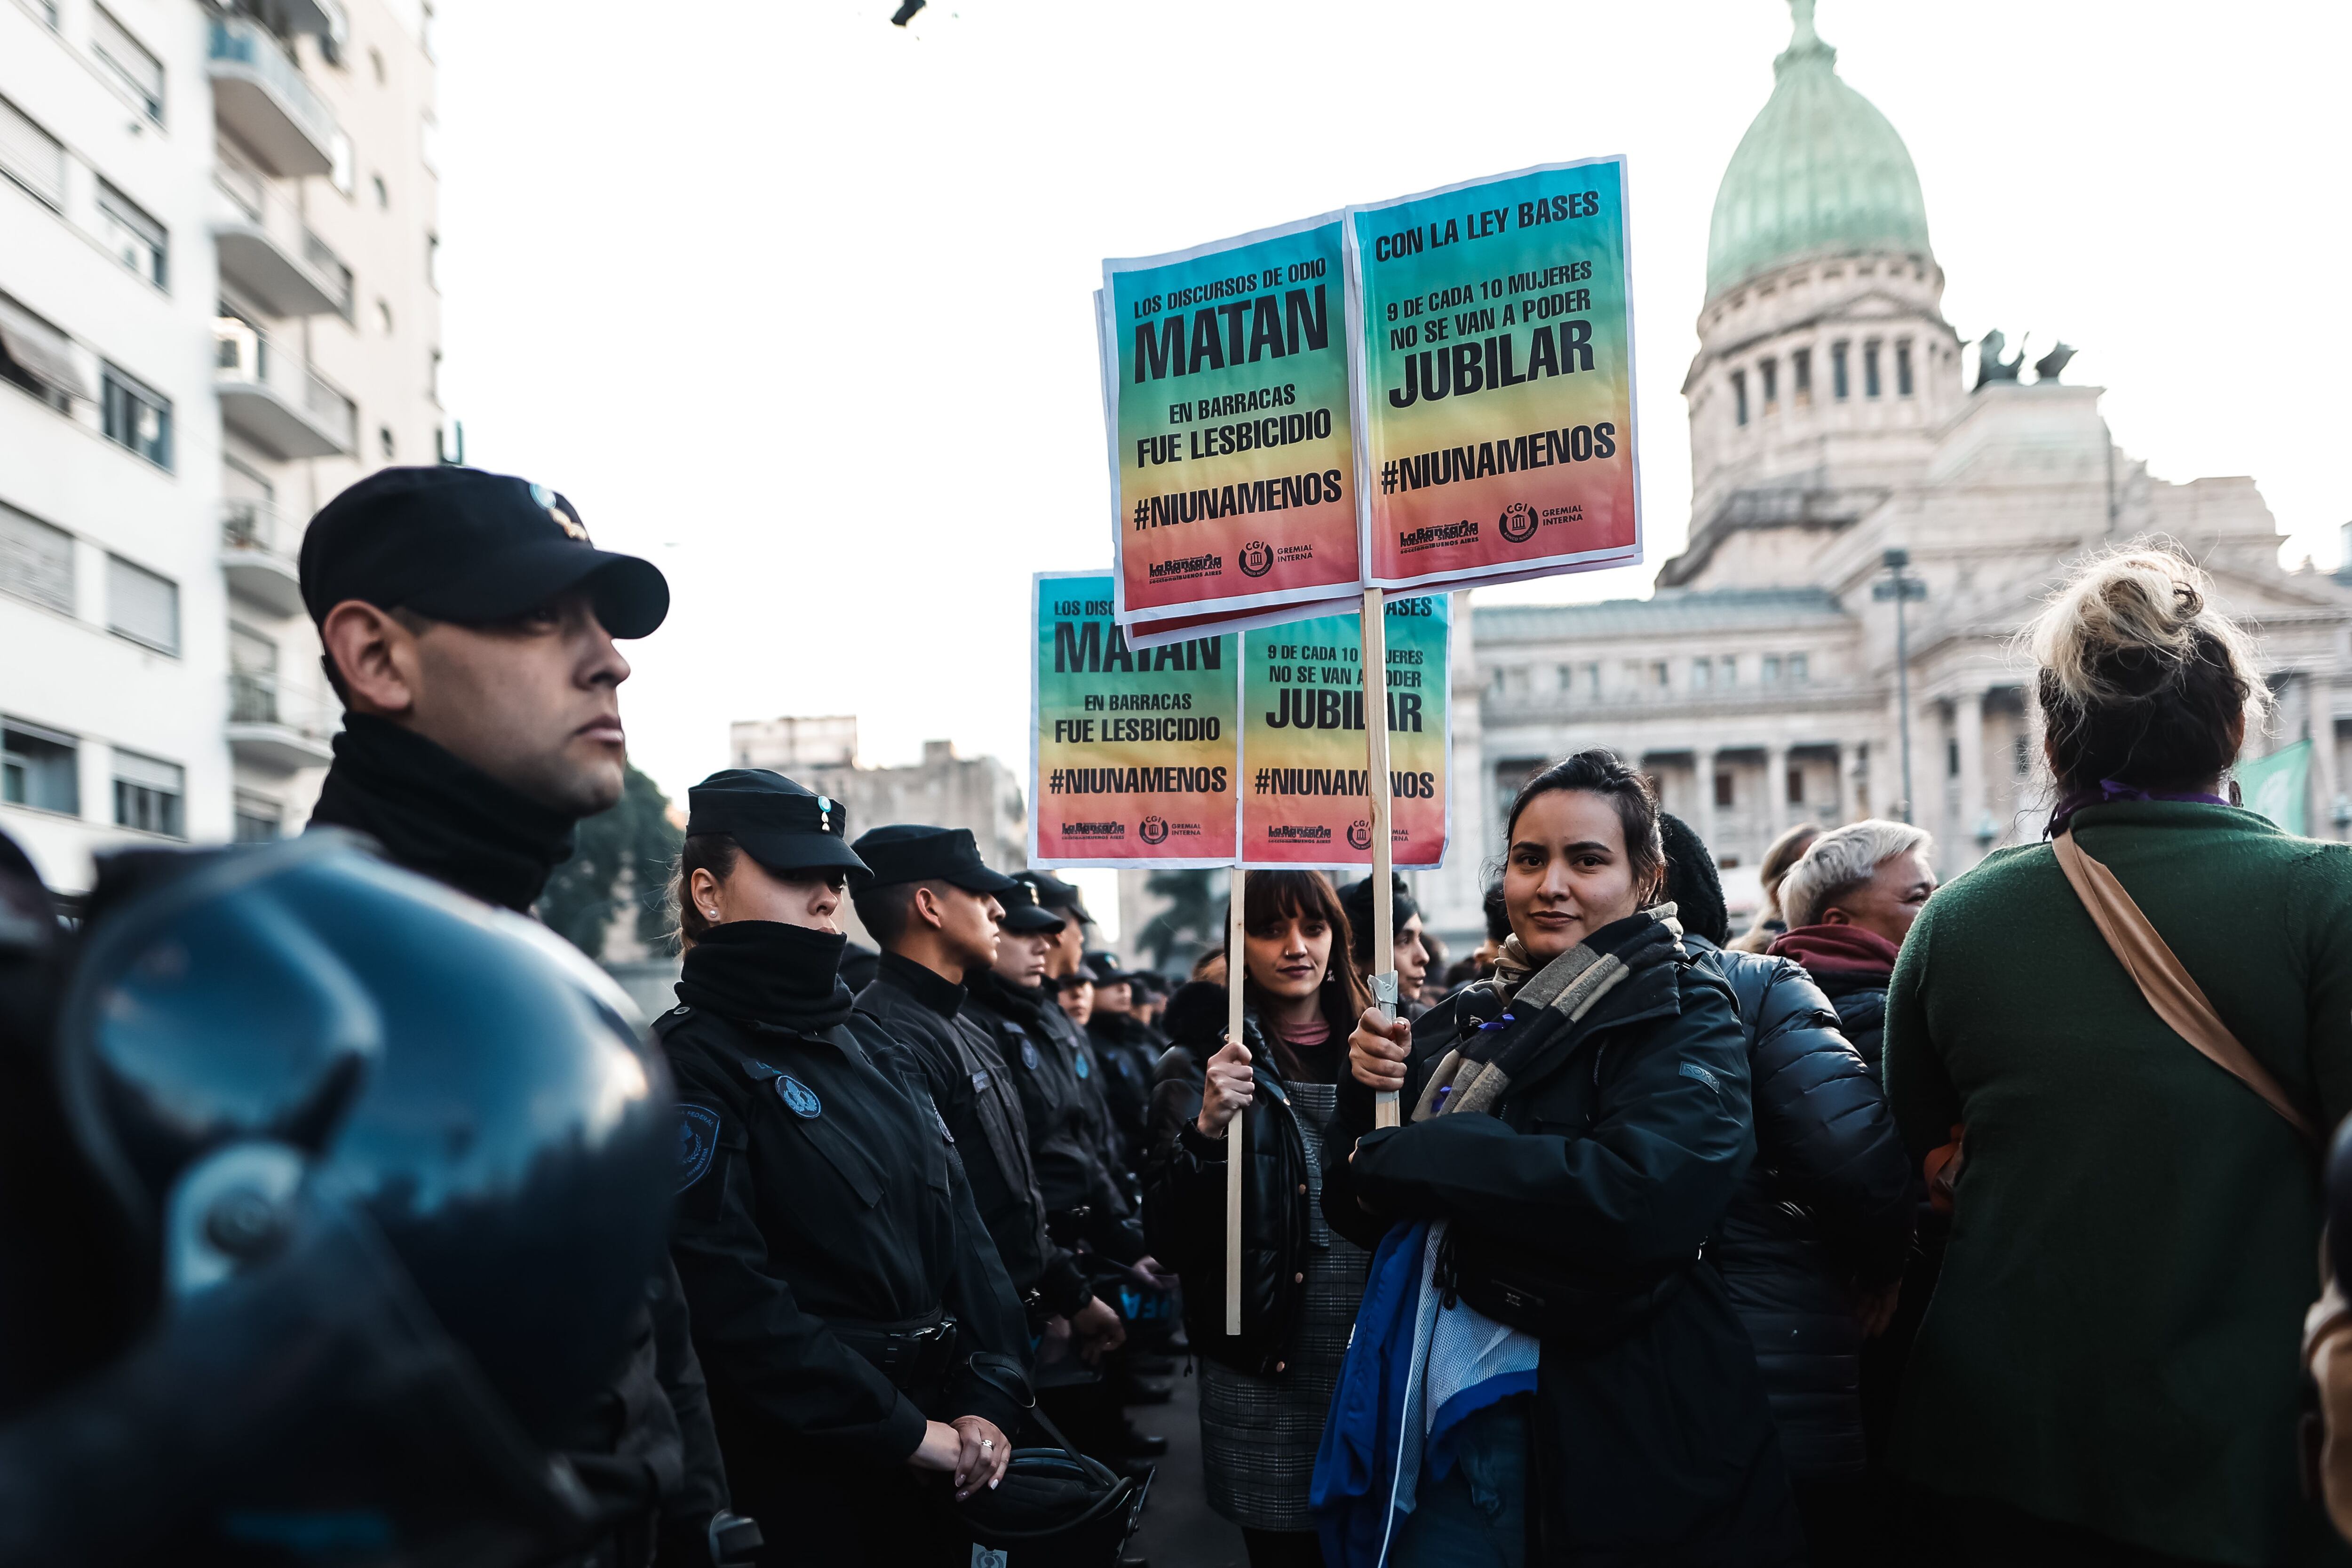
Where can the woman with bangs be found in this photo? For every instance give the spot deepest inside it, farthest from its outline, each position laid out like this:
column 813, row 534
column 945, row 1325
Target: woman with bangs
column 1263, row 1392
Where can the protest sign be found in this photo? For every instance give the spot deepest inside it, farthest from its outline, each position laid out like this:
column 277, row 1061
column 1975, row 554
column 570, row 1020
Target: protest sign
column 1305, row 800
column 1132, row 752
column 2278, row 786
column 1225, row 394
column 1494, row 358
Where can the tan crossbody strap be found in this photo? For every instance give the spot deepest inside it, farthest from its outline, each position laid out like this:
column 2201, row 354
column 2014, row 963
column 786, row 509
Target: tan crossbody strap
column 2169, row 988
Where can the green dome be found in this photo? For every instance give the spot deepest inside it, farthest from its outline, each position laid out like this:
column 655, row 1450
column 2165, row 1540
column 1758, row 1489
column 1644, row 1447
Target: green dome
column 1819, row 172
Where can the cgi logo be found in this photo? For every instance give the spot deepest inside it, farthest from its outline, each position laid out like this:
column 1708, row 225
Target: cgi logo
column 1257, row 558
column 1360, row 834
column 1518, row 522
column 1154, row 830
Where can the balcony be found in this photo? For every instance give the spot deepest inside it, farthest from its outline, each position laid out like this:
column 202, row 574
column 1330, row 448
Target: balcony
column 276, row 732
column 284, row 408
column 267, row 251
column 256, row 567
column 260, row 97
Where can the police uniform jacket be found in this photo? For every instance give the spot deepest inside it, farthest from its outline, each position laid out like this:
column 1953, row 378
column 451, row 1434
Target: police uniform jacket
column 974, row 1091
column 1046, row 1056
column 820, row 1196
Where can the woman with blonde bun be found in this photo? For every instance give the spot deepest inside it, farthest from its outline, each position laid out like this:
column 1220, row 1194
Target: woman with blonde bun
column 1780, row 858
column 2108, row 1372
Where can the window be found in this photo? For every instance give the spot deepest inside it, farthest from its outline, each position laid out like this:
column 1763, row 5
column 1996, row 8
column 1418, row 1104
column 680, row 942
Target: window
column 1739, row 396
column 137, row 418
column 1514, row 680
column 1801, row 378
column 1726, row 792
column 1796, row 782
column 1952, row 758
column 341, row 172
column 142, row 605
column 1702, row 674
column 1660, row 676
column 31, row 156
column 383, row 192
column 1566, row 674
column 1837, row 370
column 38, row 358
column 136, row 240
column 1770, row 669
column 1795, row 668
column 129, row 62
column 258, row 820
column 383, row 440
column 148, row 795
column 433, row 261
column 1730, row 673
column 1903, row 368
column 1767, row 374
column 1870, row 369
column 1593, row 680
column 39, row 768
column 36, row 561
column 383, row 316
column 433, row 378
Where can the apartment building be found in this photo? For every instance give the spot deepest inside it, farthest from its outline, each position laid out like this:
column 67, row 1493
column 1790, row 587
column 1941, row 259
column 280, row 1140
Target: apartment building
column 217, row 309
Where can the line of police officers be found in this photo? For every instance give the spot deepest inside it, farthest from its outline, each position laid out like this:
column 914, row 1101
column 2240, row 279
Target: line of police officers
column 877, row 1195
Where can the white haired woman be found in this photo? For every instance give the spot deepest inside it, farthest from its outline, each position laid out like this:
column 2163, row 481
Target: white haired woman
column 2108, row 1370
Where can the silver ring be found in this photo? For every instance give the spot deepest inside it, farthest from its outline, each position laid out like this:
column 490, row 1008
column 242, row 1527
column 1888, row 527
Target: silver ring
column 988, row 1442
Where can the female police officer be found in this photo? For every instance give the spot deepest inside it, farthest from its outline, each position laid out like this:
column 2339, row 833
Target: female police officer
column 837, row 1271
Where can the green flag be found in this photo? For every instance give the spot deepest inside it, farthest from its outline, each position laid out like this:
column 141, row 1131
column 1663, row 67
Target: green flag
column 2278, row 786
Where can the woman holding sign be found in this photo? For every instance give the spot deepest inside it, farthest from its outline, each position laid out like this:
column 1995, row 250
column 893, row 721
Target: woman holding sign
column 1263, row 1392
column 1538, row 1320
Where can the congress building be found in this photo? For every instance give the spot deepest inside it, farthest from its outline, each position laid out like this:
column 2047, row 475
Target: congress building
column 1844, row 442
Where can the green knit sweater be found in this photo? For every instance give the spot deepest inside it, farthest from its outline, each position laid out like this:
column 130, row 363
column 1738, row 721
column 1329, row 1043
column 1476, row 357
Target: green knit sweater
column 2114, row 1342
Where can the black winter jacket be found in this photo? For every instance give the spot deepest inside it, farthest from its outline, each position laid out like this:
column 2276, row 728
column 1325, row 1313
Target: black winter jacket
column 1615, row 1151
column 974, row 1091
column 1824, row 1210
column 1184, row 1201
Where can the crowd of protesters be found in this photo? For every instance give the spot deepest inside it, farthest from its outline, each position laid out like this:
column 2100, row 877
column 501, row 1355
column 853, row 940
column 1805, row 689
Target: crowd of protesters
column 1962, row 1225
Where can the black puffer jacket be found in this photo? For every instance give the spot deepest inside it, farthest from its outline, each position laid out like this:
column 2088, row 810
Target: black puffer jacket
column 1824, row 1209
column 1184, row 1193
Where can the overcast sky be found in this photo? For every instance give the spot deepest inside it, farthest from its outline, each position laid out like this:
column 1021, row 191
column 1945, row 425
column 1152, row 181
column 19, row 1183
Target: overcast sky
column 796, row 302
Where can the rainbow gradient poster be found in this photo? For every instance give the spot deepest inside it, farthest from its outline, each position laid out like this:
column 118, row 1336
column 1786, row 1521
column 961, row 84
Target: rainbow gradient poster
column 1131, row 759
column 1226, row 394
column 1494, row 358
column 1302, row 765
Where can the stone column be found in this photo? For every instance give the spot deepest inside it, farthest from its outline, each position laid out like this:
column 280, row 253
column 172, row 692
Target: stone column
column 2324, row 778
column 1968, row 728
column 1775, row 791
column 1703, row 804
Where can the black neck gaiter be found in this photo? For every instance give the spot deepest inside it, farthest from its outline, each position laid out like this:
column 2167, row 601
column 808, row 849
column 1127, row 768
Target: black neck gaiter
column 441, row 817
column 1023, row 1004
column 764, row 972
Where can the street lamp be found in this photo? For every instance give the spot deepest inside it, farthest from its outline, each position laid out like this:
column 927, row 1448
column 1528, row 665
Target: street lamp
column 1901, row 588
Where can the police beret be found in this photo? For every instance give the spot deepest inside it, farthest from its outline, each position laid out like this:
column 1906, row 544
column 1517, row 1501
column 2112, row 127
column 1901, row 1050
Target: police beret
column 909, row 852
column 782, row 824
column 459, row 544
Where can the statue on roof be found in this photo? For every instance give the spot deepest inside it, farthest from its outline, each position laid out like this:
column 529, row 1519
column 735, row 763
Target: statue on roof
column 2050, row 364
column 1991, row 367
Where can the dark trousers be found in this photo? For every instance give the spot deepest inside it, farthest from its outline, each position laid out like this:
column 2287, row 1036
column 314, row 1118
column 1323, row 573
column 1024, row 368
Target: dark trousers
column 1283, row 1547
column 816, row 1513
column 1842, row 1524
column 1977, row 1533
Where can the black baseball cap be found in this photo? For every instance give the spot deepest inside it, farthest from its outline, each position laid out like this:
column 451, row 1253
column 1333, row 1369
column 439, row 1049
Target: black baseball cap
column 910, row 852
column 1055, row 894
column 784, row 825
column 1104, row 966
column 1022, row 910
column 459, row 544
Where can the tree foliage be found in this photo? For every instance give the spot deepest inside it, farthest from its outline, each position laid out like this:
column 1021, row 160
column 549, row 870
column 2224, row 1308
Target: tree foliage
column 623, row 857
column 1194, row 918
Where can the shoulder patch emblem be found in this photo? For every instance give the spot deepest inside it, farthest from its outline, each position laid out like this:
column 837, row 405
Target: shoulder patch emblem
column 698, row 1141
column 1085, row 1065
column 1692, row 1071
column 798, row 1097
column 980, row 1081
column 1028, row 1053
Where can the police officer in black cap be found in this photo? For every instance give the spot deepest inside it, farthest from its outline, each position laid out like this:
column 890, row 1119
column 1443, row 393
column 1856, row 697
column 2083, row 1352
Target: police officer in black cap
column 840, row 1277
column 469, row 625
column 933, row 906
column 1065, row 964
column 1009, row 999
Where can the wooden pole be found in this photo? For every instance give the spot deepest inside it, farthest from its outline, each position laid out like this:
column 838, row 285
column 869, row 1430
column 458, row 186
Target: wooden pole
column 1375, row 640
column 1235, row 970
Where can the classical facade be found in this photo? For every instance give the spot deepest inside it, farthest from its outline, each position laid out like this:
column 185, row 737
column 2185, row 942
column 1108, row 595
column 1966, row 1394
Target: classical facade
column 1836, row 427
column 217, row 309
